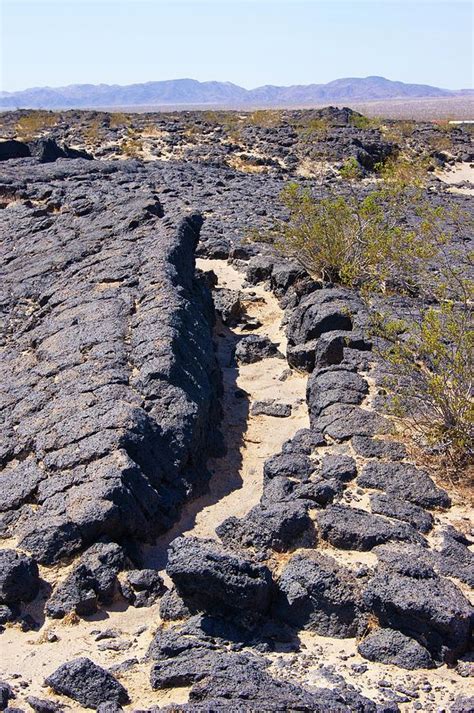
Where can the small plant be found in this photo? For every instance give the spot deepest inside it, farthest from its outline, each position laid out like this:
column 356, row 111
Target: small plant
column 132, row 146
column 432, row 387
column 267, row 118
column 364, row 122
column 34, row 123
column 369, row 241
column 92, row 132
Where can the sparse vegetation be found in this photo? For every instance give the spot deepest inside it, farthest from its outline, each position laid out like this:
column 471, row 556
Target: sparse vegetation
column 432, row 388
column 34, row 123
column 132, row 146
column 366, row 241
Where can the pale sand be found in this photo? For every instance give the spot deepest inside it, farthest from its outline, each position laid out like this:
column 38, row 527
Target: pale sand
column 461, row 172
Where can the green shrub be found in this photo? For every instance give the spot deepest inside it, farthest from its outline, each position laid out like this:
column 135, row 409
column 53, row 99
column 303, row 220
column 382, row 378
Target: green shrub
column 367, row 241
column 432, row 363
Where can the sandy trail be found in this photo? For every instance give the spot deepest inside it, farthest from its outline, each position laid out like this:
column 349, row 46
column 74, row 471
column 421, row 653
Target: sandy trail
column 237, row 478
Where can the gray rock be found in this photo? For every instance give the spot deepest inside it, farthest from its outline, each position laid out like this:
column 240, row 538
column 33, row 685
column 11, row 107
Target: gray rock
column 430, row 609
column 43, row 706
column 336, row 386
column 376, row 448
column 228, row 306
column 392, row 647
column 353, row 529
column 209, row 578
column 338, row 467
column 405, row 482
column 341, row 421
column 316, row 593
column 289, row 465
column 142, row 587
column 277, row 526
column 454, row 558
column 271, row 407
column 6, row 694
column 88, row 684
column 253, row 348
column 92, row 581
column 19, row 577
column 402, row 510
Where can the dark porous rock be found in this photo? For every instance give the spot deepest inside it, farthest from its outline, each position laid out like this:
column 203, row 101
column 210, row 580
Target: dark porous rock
column 391, row 506
column 19, row 577
column 142, row 587
column 13, row 149
column 228, row 306
column 87, row 683
column 354, row 529
column 377, row 448
column 270, row 407
column 259, row 269
column 463, row 704
column 430, row 609
column 336, row 386
column 304, row 441
column 277, row 526
column 341, row 421
column 40, row 705
column 338, row 467
column 319, row 312
column 284, row 274
column 110, row 419
column 6, row 694
column 319, row 353
column 289, row 465
column 109, row 707
column 277, row 490
column 208, row 577
column 407, row 559
column 392, row 647
column 92, row 581
column 316, row 593
column 253, row 348
column 172, row 606
column 454, row 558
column 242, row 684
column 319, row 491
column 190, row 666
column 404, row 481
column 46, row 150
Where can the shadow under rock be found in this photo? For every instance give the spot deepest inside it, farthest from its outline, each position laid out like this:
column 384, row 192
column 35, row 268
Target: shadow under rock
column 225, row 471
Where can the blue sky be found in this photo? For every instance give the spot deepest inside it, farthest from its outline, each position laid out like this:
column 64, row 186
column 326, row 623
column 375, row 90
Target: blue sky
column 249, row 42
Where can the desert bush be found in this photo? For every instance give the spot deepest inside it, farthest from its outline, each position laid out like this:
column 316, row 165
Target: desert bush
column 34, row 123
column 364, row 122
column 118, row 119
column 373, row 240
column 432, row 367
column 92, row 131
column 132, row 146
column 268, row 118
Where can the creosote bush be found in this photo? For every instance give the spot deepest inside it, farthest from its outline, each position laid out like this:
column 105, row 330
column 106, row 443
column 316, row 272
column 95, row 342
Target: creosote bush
column 432, row 387
column 32, row 124
column 372, row 239
column 388, row 238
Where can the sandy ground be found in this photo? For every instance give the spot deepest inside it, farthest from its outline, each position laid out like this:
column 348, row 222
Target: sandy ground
column 237, row 479
column 458, row 174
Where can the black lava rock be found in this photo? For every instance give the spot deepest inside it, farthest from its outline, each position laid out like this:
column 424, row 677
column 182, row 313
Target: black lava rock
column 88, row 684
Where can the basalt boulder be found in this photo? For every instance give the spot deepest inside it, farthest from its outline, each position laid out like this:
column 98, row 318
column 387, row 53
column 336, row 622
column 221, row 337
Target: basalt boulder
column 316, row 593
column 210, row 578
column 87, row 683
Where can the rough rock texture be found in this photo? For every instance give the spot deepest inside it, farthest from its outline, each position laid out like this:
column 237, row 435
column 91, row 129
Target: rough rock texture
column 392, row 647
column 211, row 578
column 404, row 481
column 428, row 608
column 354, row 529
column 111, row 375
column 93, row 581
column 254, row 348
column 88, row 684
column 19, row 577
column 316, row 593
column 277, row 526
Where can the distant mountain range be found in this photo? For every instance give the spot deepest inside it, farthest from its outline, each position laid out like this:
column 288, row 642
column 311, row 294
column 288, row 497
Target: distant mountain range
column 190, row 92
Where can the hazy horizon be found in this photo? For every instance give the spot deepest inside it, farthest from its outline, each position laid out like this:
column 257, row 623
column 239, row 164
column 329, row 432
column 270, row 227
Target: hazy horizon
column 247, row 42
